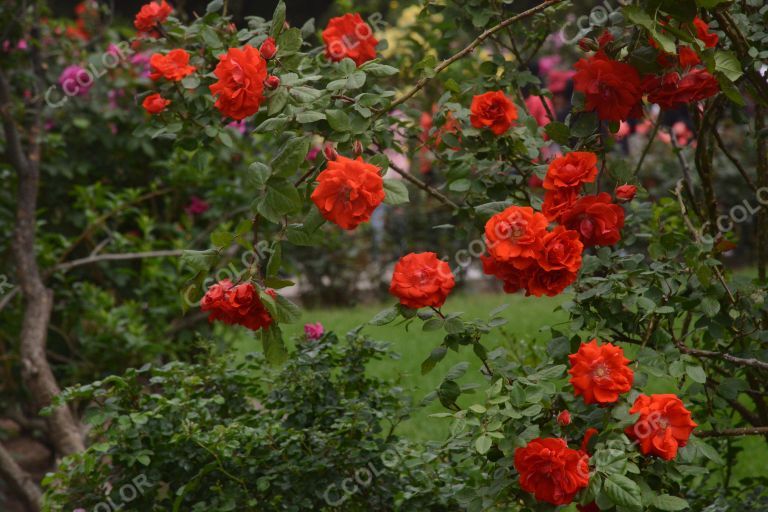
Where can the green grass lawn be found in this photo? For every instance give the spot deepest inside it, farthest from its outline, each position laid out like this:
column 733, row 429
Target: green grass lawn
column 525, row 315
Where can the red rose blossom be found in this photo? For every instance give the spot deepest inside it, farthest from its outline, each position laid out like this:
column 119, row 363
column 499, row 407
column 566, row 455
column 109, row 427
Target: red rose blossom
column 154, row 103
column 268, row 48
column 236, row 304
column 551, row 471
column 549, row 282
column 492, row 110
column 687, row 57
column 564, row 418
column 626, row 192
column 349, row 36
column 240, row 89
column 173, row 66
column 664, row 425
column 600, row 373
column 421, row 280
column 348, row 191
column 561, row 250
column 513, row 278
column 671, row 91
column 515, row 235
column 702, row 32
column 150, row 15
column 558, row 201
column 610, row 87
column 597, row 220
column 571, row 170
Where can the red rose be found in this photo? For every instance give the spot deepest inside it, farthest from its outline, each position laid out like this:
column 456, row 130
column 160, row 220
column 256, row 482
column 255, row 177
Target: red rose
column 348, row 191
column 272, row 82
column 671, row 91
column 663, row 426
column 703, row 33
column 597, row 220
column 515, row 235
column 514, row 279
column 564, row 418
column 558, row 201
column 687, row 57
column 154, row 103
column 551, row 471
column 173, row 66
column 610, row 87
column 349, row 36
column 240, row 88
column 561, row 250
column 150, row 15
column 588, row 435
column 236, row 304
column 600, row 373
column 626, row 192
column 571, row 170
column 492, row 110
column 268, row 48
column 421, row 280
column 549, row 282
column 589, row 507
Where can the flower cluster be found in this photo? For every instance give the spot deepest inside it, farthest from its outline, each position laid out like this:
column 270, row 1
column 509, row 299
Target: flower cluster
column 236, row 304
column 349, row 37
column 553, row 472
column 494, row 111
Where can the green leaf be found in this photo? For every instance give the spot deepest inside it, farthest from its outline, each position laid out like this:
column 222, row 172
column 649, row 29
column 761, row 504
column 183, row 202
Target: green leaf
column 274, row 347
column 278, row 19
column 214, row 6
column 385, row 316
column 395, row 192
column 277, row 101
column 696, row 373
column 437, row 355
column 483, row 444
column 275, row 259
column 376, row 69
column 727, row 63
column 448, row 392
column 623, row 492
column 305, row 94
column 559, row 132
column 309, row 117
column 338, row 120
column 670, row 503
column 433, row 324
column 710, row 306
column 290, row 158
column 280, row 199
column 257, row 175
column 356, row 80
column 457, row 371
column 289, row 42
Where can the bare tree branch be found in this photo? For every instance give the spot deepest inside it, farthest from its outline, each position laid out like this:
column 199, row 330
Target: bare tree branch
column 96, row 258
column 733, row 432
column 20, row 481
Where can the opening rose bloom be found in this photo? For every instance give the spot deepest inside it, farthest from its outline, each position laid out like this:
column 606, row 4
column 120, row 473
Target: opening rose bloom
column 154, row 103
column 150, row 15
column 240, row 89
column 314, row 331
column 559, row 201
column 664, row 425
column 611, row 88
column 421, row 280
column 236, row 304
column 173, row 66
column 626, row 192
column 671, row 91
column 600, row 373
column 515, row 235
column 710, row 39
column 571, row 170
column 348, row 191
column 561, row 250
column 551, row 471
column 597, row 220
column 349, row 36
column 492, row 110
column 75, row 81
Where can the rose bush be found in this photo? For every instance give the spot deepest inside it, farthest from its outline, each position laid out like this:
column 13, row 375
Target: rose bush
column 647, row 411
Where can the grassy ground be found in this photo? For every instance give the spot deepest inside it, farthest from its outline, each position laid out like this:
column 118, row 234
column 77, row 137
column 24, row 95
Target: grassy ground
column 525, row 318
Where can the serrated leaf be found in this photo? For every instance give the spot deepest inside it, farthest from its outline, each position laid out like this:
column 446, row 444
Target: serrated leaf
column 338, row 120
column 483, row 444
column 384, row 316
column 669, row 503
column 290, row 158
column 623, row 492
column 280, row 198
column 273, row 345
column 437, row 355
column 395, row 192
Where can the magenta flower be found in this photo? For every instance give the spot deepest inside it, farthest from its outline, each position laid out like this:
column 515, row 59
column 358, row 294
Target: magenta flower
column 196, row 206
column 75, row 81
column 314, row 331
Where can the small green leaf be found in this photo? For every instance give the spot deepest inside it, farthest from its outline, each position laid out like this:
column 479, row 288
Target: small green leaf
column 384, row 317
column 395, row 192
column 437, row 355
column 669, row 503
column 623, row 492
column 274, row 347
column 291, row 157
column 483, row 444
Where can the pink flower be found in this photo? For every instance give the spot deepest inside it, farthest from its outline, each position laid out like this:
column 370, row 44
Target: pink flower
column 312, row 153
column 314, row 331
column 75, row 81
column 196, row 206
column 239, row 126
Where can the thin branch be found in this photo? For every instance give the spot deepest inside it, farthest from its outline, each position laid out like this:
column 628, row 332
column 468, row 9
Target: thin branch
column 734, row 161
column 733, row 432
column 710, row 354
column 647, row 148
column 63, row 267
column 467, row 50
column 423, row 186
column 20, row 481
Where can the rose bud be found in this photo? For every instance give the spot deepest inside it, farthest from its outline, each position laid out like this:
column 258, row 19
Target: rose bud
column 564, row 418
column 330, row 152
column 357, row 148
column 272, row 82
column 626, row 192
column 268, row 48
